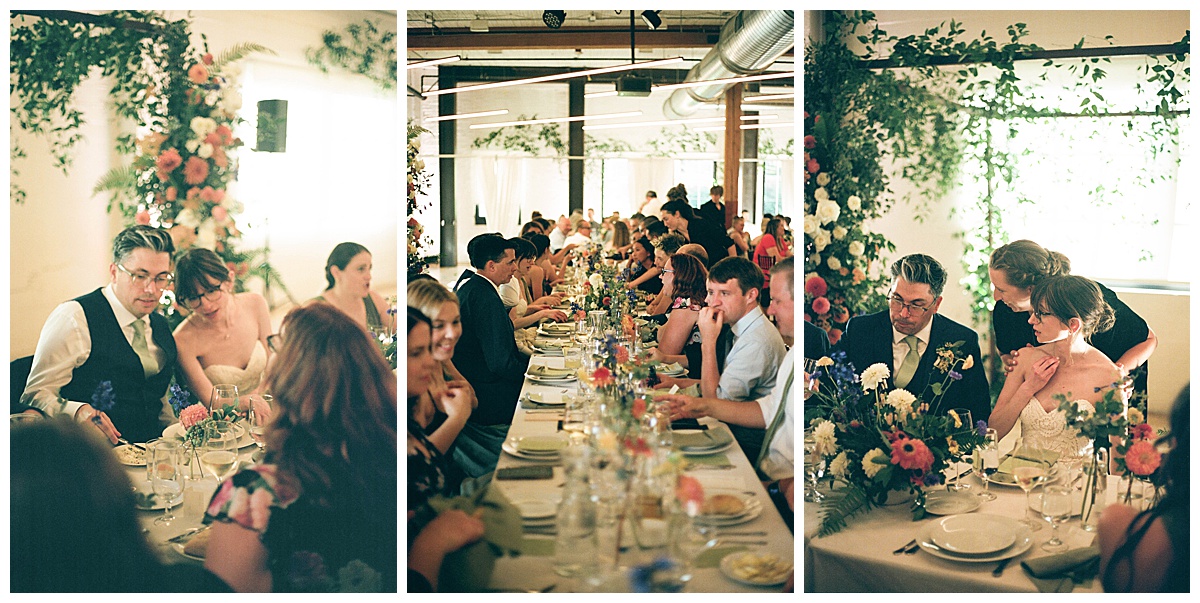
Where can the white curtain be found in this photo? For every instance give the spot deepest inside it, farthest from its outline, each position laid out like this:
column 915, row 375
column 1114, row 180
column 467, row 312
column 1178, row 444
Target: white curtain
column 650, row 174
column 498, row 182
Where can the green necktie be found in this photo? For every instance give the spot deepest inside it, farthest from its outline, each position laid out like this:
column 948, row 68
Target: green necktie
column 149, row 364
column 911, row 360
column 776, row 422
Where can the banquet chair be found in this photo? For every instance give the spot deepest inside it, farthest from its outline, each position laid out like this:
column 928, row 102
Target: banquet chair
column 18, row 371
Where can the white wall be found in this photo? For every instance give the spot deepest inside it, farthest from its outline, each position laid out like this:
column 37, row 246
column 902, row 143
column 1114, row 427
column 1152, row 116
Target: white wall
column 61, row 237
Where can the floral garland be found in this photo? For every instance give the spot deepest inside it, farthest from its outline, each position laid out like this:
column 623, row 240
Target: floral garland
column 418, row 179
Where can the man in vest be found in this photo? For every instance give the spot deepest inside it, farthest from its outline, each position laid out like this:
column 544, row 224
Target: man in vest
column 113, row 335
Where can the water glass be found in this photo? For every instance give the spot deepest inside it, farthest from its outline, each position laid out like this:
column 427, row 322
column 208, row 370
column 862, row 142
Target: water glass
column 987, row 461
column 165, row 474
column 1056, row 508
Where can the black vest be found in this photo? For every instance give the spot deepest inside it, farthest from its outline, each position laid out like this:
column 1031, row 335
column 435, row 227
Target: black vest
column 138, row 398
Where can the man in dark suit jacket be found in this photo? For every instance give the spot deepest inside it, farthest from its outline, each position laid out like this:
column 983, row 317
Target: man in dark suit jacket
column 680, row 217
column 907, row 335
column 487, row 354
column 816, row 342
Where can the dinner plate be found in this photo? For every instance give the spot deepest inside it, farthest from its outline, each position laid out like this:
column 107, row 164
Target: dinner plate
column 511, row 449
column 143, row 486
column 545, row 372
column 178, row 546
column 131, row 456
column 1024, row 540
column 553, row 380
column 943, row 502
column 753, row 510
column 670, row 370
column 541, row 400
column 974, row 534
column 556, row 332
column 176, row 431
column 706, row 451
column 535, row 509
column 1003, row 479
column 756, row 569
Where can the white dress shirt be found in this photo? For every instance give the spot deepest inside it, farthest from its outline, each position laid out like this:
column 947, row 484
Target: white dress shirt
column 65, row 344
column 780, row 461
column 752, row 362
column 578, row 239
column 900, row 349
column 557, row 239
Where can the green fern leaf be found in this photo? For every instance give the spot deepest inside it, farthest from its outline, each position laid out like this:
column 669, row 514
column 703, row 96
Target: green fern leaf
column 117, row 180
column 238, row 52
column 840, row 505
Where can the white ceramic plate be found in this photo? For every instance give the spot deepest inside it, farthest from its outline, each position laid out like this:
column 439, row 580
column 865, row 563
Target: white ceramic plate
column 753, row 510
column 143, row 486
column 555, row 333
column 555, row 381
column 706, row 451
column 532, row 510
column 541, row 444
column 974, row 534
column 1003, row 479
column 176, row 431
column 511, row 449
column 178, row 546
column 779, row 569
column 130, row 456
column 1024, row 540
column 541, row 400
column 944, row 502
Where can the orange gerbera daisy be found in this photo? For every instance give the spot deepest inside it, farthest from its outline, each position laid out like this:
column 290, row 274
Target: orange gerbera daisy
column 1142, row 458
column 195, row 171
column 911, row 453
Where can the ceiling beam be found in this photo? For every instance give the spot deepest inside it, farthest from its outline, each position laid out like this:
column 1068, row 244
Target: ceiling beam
column 498, row 39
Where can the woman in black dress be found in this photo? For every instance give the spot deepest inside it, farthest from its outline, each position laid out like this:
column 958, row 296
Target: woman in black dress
column 1016, row 267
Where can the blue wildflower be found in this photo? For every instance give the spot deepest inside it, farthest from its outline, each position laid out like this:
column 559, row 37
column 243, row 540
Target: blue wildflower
column 981, row 426
column 642, row 578
column 955, row 375
column 103, row 399
column 932, row 479
column 179, row 398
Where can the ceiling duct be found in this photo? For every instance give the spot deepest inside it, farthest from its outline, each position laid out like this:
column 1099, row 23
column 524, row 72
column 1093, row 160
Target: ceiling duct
column 750, row 42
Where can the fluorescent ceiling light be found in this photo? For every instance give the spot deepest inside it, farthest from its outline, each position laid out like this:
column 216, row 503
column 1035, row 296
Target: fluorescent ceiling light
column 433, row 62
column 767, row 97
column 727, row 80
column 557, row 76
column 761, row 126
column 600, row 94
column 743, row 118
column 553, row 120
column 468, row 115
column 665, row 122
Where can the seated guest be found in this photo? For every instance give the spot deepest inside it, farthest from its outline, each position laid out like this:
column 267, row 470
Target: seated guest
column 488, row 356
column 650, row 204
column 678, row 216
column 907, row 336
column 112, row 334
column 348, row 274
column 752, row 360
column 558, row 236
column 761, row 229
column 532, row 227
column 582, row 235
column 695, row 251
column 74, row 523
column 542, row 275
column 442, row 409
column 776, row 412
column 771, row 248
column 741, row 238
column 517, row 295
column 1149, row 551
column 678, row 337
column 635, row 225
column 322, row 506
column 224, row 339
column 641, row 273
column 619, row 246
column 1015, row 268
column 664, row 248
column 430, row 473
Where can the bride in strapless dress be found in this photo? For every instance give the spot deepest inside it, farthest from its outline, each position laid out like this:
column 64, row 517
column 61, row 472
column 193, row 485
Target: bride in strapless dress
column 224, row 338
column 1067, row 310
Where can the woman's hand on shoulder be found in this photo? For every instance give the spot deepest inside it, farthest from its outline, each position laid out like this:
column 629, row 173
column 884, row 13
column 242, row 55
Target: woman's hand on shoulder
column 1038, row 370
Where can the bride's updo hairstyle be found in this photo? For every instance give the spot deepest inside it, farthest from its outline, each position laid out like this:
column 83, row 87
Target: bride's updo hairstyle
column 1026, row 263
column 195, row 270
column 1068, row 296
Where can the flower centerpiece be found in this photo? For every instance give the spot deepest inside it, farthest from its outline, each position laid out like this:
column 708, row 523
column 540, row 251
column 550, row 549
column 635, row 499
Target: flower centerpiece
column 195, row 418
column 877, row 442
column 1108, row 424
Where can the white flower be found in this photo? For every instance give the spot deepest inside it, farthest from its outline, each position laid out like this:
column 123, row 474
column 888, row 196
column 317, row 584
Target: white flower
column 828, row 211
column 205, row 151
column 187, row 218
column 874, row 375
column 821, row 239
column 596, row 280
column 1085, row 412
column 192, row 145
column 857, row 248
column 811, row 224
column 231, row 101
column 901, row 400
column 824, row 438
column 1135, row 417
column 816, row 259
column 869, row 467
column 822, row 179
column 231, row 70
column 839, row 464
column 419, row 165
column 211, row 98
column 203, row 126
column 839, row 232
column 854, row 203
column 206, row 235
column 821, row 194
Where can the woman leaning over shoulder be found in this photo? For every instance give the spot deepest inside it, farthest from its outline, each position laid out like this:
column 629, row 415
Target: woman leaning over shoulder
column 348, row 275
column 320, row 513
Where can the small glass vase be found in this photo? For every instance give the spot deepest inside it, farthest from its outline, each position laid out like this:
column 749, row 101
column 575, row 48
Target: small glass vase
column 1095, row 484
column 1137, row 492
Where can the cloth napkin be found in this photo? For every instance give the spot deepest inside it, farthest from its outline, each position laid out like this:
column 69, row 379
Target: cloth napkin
column 550, row 373
column 713, row 460
column 1061, row 572
column 712, row 557
column 1027, row 457
column 708, row 438
column 538, row 547
column 469, row 569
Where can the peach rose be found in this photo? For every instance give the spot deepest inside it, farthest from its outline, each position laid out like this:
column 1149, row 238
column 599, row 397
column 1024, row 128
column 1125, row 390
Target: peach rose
column 198, row 74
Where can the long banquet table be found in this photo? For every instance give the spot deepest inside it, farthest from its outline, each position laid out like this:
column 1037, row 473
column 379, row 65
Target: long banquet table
column 859, row 558
column 536, row 572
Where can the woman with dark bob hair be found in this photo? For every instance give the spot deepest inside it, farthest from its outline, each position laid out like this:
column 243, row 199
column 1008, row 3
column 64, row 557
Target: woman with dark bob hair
column 224, row 338
column 348, row 275
column 319, row 513
column 1016, row 267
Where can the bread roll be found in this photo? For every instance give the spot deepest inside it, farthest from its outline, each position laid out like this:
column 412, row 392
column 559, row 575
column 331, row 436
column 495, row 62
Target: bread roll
column 197, row 545
column 723, row 504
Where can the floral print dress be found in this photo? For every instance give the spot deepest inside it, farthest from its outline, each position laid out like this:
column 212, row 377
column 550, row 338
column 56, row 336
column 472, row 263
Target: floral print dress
column 310, row 547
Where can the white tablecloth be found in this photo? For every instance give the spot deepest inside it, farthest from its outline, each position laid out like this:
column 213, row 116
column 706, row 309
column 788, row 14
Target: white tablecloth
column 535, row 572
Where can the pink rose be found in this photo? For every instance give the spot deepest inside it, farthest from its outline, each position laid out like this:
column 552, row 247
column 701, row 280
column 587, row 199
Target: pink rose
column 142, row 217
column 219, row 213
column 207, row 58
column 812, row 166
column 809, row 141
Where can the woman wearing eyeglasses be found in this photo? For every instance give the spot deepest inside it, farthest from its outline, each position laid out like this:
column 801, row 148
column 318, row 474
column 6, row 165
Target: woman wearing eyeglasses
column 224, row 337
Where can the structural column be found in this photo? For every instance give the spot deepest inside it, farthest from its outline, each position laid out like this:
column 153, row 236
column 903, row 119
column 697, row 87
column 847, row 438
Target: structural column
column 575, row 148
column 447, row 143
column 733, row 150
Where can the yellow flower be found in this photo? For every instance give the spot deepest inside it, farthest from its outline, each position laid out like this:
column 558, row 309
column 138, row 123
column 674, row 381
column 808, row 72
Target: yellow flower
column 825, row 361
column 957, row 419
column 953, row 446
column 968, row 363
column 1135, row 417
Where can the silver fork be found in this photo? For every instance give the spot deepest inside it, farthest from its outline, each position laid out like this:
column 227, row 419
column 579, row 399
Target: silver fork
column 910, row 544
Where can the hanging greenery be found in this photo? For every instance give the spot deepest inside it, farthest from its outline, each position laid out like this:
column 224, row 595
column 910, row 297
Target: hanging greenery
column 536, row 140
column 363, row 49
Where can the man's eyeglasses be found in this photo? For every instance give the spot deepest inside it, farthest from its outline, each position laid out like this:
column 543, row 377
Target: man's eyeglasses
column 898, row 305
column 161, row 281
column 212, row 295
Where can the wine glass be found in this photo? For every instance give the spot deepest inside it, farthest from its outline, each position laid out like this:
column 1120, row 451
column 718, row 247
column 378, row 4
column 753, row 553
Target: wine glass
column 1056, row 507
column 987, row 461
column 165, row 475
column 964, row 415
column 814, row 469
column 257, row 419
column 1029, row 476
column 220, row 450
column 223, row 394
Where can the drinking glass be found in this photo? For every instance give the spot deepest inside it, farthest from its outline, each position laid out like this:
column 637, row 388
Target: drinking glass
column 165, row 475
column 957, row 484
column 1056, row 507
column 257, row 419
column 987, row 461
column 220, row 450
column 223, row 394
column 1029, row 476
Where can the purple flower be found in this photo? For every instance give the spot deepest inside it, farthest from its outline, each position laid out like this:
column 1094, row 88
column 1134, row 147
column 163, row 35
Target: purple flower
column 932, row 479
column 981, row 426
column 955, row 375
column 179, row 398
column 103, row 399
